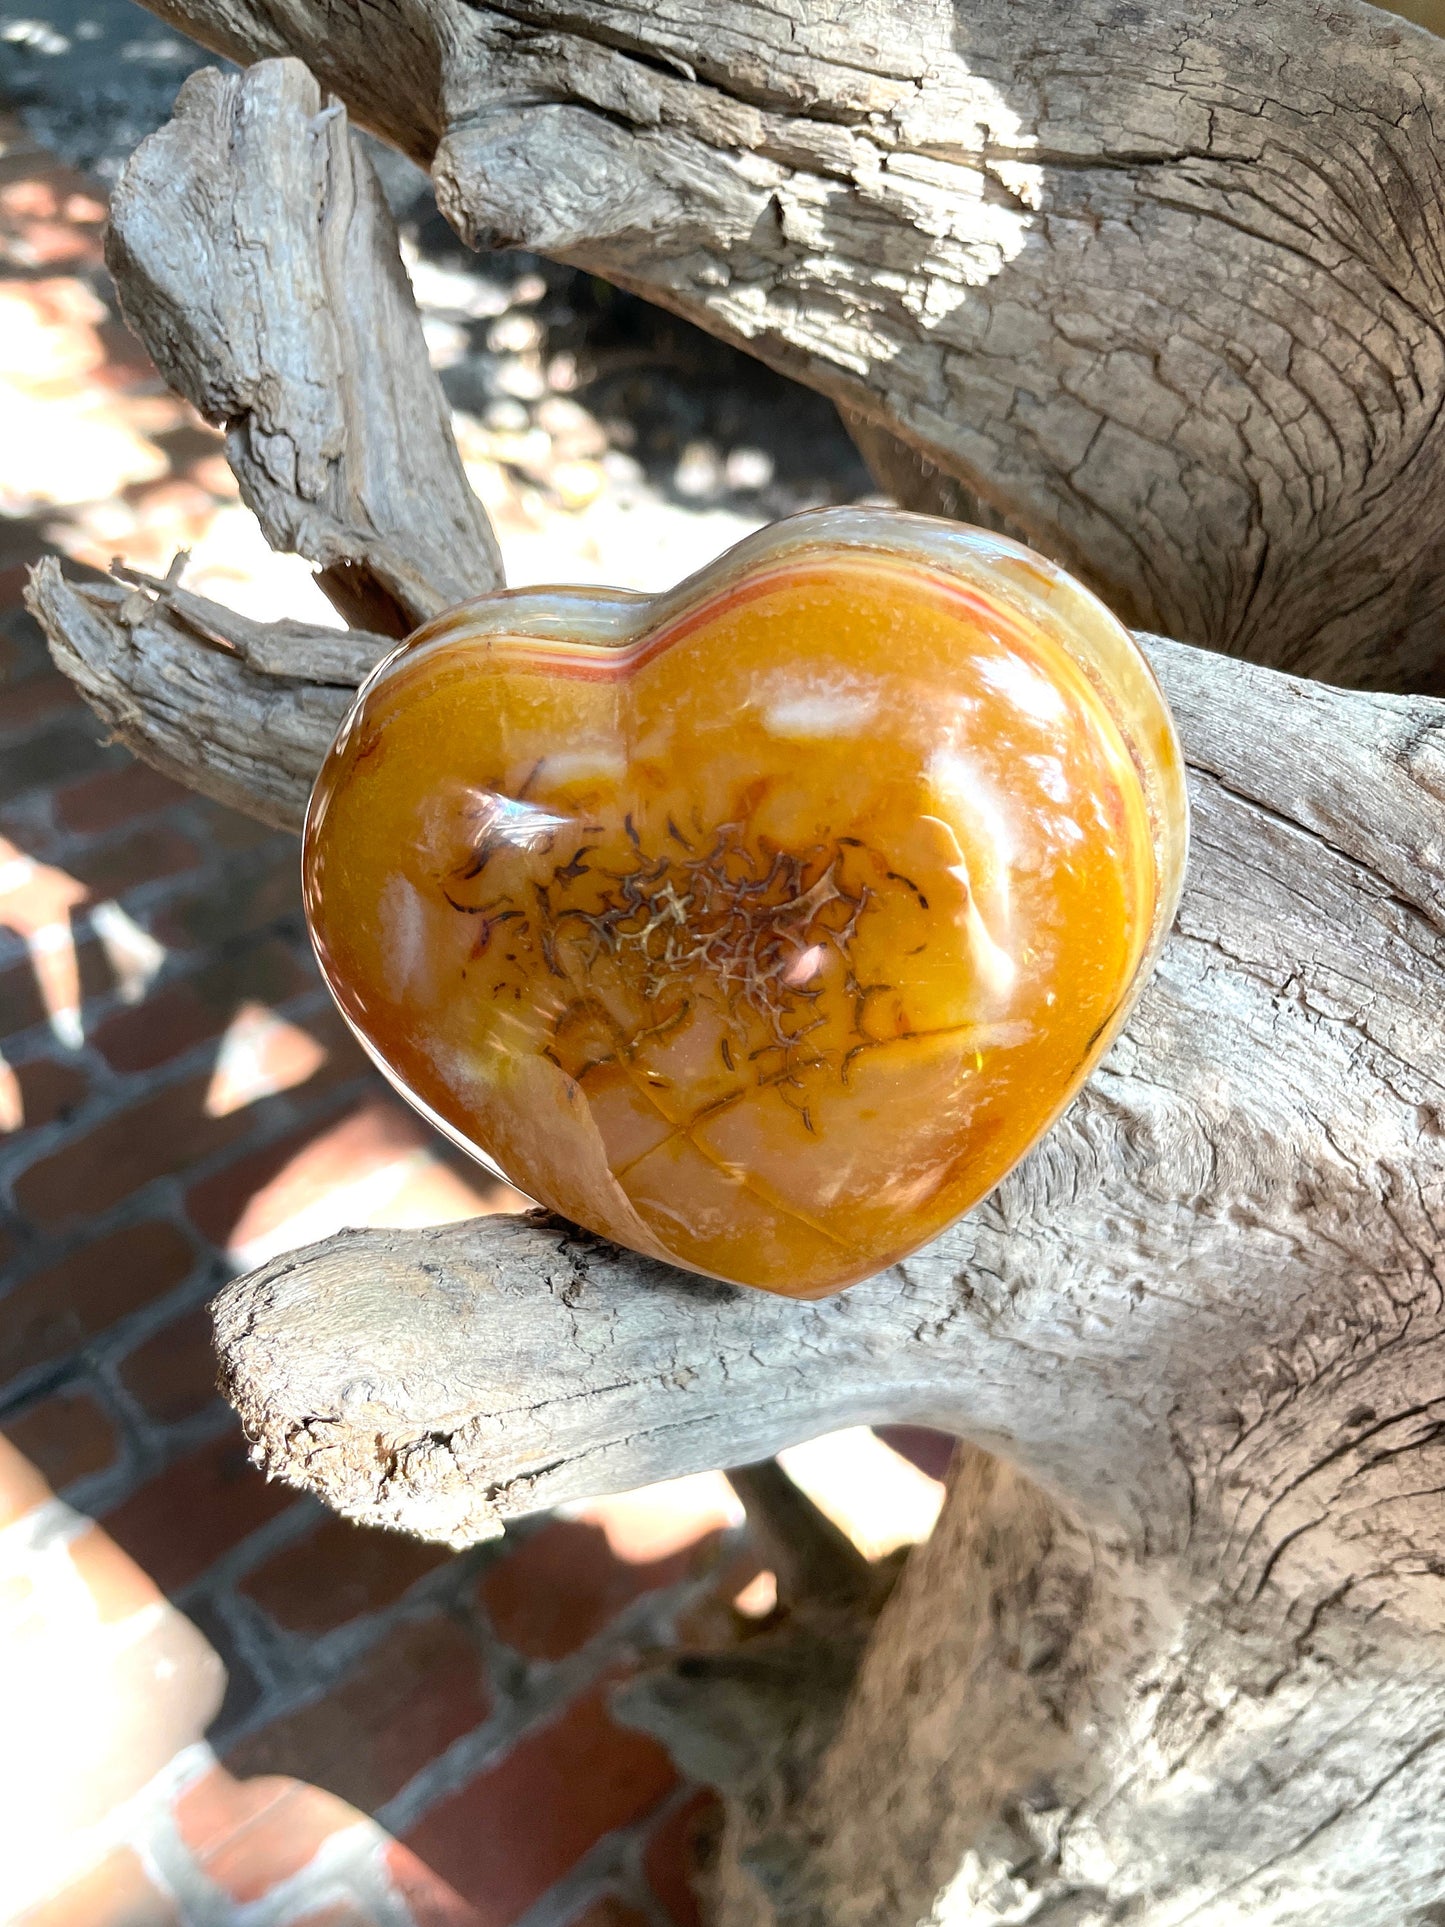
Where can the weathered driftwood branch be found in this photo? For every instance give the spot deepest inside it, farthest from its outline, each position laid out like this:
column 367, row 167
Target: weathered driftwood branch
column 256, row 258
column 1225, row 1176
column 1206, row 1313
column 245, row 720
column 1177, row 1651
column 1161, row 286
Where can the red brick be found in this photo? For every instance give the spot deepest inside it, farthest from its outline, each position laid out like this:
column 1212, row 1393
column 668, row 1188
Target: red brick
column 170, row 1021
column 173, row 1374
column 197, row 1008
column 249, row 1836
column 40, row 1092
column 402, row 1706
column 337, row 1573
column 67, row 745
column 930, row 1451
column 116, row 796
column 56, row 1310
column 260, row 1191
column 66, row 1437
column 564, row 1584
column 216, row 1204
column 679, row 1846
column 230, row 830
column 609, row 1911
column 21, row 1486
column 22, row 1002
column 35, row 700
column 524, row 1822
column 345, row 1060
column 375, row 1163
column 264, row 1053
column 49, row 218
column 161, row 1135
column 217, row 1806
column 431, row 1901
column 25, row 634
column 277, row 1844
column 143, row 857
column 125, row 365
column 14, row 575
column 231, row 908
column 113, row 1579
column 341, row 1913
column 49, row 190
column 195, row 1510
column 41, row 893
column 446, row 1188
column 117, row 1893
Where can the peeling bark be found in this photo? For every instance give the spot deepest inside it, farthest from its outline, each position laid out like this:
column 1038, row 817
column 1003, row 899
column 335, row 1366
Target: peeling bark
column 243, row 711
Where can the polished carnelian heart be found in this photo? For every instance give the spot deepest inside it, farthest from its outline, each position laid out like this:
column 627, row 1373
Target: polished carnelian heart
column 763, row 925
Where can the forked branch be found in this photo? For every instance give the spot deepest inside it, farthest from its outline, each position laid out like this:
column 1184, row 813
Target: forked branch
column 1177, row 1650
column 1162, row 287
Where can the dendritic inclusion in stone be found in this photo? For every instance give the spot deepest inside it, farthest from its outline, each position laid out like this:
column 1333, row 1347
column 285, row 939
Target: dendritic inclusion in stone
column 761, row 926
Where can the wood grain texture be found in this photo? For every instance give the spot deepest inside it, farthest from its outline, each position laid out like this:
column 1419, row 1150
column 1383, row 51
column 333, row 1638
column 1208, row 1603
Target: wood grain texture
column 242, row 711
column 1289, row 1055
column 1160, row 285
column 1205, row 1316
column 257, row 260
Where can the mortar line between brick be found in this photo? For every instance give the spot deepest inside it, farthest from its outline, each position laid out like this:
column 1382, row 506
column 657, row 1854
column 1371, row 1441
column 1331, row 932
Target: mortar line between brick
column 613, row 1863
column 38, row 1040
column 100, row 1355
column 460, row 1762
column 96, row 1009
column 142, row 899
column 272, row 1536
column 164, row 1195
column 123, row 1092
column 545, row 1692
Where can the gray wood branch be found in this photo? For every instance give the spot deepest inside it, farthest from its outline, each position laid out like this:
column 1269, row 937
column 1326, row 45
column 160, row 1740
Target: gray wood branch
column 257, row 261
column 1269, row 1133
column 1162, row 287
column 1206, row 1315
column 242, row 711
column 1177, row 1651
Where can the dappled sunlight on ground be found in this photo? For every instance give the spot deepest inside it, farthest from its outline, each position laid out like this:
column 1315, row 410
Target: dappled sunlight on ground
column 399, row 1734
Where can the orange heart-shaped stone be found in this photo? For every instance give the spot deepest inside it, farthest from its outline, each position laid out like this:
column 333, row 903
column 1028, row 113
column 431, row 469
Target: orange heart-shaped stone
column 762, row 925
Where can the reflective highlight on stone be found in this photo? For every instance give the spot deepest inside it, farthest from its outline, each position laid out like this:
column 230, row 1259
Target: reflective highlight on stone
column 761, row 926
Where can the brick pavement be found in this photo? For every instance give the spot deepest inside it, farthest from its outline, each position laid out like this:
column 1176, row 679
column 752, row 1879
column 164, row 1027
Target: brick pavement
column 314, row 1722
column 398, row 1734
column 234, row 1708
